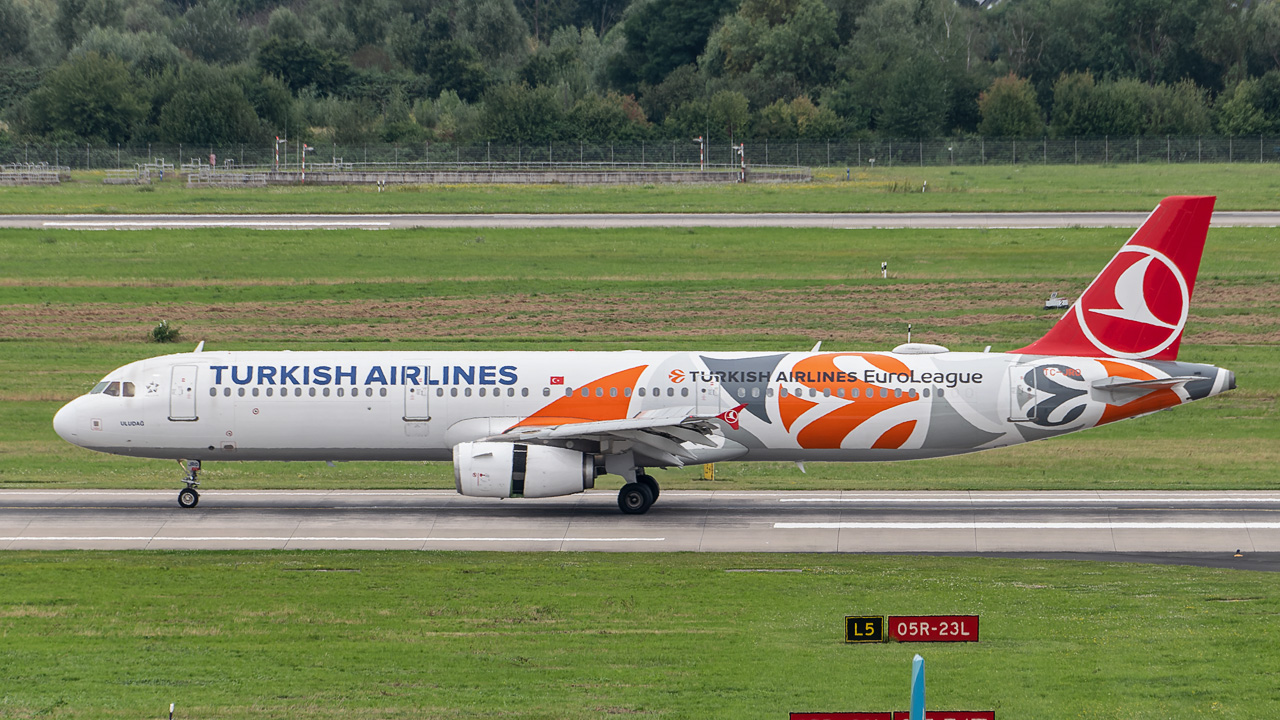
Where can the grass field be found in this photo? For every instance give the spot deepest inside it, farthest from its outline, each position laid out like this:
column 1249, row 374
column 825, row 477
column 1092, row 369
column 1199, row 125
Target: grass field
column 952, row 189
column 562, row 636
column 75, row 305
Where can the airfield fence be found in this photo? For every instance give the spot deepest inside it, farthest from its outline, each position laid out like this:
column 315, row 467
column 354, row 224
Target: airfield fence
column 781, row 155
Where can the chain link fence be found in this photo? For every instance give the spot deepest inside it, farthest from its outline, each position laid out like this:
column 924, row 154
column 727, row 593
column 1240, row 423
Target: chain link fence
column 722, row 155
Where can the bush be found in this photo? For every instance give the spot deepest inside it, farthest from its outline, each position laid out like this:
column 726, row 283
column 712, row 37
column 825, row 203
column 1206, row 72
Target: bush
column 164, row 333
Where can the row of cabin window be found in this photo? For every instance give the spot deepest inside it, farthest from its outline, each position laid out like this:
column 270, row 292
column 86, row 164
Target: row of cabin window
column 128, row 390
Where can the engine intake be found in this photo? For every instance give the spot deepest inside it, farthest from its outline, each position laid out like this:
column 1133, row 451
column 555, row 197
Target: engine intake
column 499, row 469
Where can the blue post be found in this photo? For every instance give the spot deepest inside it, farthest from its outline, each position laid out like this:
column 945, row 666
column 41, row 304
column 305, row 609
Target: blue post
column 917, row 688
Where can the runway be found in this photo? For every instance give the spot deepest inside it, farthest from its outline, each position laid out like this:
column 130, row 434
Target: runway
column 849, row 221
column 1104, row 523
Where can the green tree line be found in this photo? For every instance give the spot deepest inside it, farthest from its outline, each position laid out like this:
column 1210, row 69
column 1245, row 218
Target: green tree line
column 537, row 71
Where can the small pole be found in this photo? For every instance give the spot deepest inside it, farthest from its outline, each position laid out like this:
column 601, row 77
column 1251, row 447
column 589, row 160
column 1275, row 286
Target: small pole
column 917, row 688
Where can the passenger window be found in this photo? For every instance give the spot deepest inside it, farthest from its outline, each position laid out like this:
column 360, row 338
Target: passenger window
column 853, row 393
column 671, row 392
column 826, row 392
column 626, row 392
column 127, row 389
column 640, row 392
column 941, row 393
column 599, row 392
column 255, row 392
column 524, row 392
column 813, row 392
column 839, row 392
column 297, row 392
column 768, row 392
column 240, row 392
column 568, row 391
column 466, row 391
column 341, row 392
column 269, row 391
column 755, row 392
column 113, row 390
column 481, row 392
column 453, row 392
column 226, row 392
column 911, row 393
column 782, row 392
column 511, row 392
column 613, row 392
column 586, row 392
column 325, row 392
column 742, row 392
column 368, row 392
column 926, row 392
column 884, row 392
column 546, row 392
column 382, row 392
column 657, row 392
column 684, row 392
column 311, row 392
column 213, row 392
column 897, row 392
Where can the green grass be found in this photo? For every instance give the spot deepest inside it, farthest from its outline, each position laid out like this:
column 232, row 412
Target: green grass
column 445, row 635
column 992, row 188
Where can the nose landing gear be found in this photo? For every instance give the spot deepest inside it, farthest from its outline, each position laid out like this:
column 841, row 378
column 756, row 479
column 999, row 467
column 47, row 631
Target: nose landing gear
column 188, row 497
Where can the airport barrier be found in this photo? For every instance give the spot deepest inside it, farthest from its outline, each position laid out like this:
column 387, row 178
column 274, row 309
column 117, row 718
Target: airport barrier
column 33, row 174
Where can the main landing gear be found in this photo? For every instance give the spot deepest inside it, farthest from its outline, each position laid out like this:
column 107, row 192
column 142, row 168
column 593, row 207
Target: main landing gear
column 635, row 498
column 188, row 497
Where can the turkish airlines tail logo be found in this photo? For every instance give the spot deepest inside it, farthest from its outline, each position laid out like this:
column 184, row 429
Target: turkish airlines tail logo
column 731, row 416
column 1137, row 307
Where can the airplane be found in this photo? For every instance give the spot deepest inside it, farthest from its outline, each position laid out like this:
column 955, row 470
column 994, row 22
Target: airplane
column 544, row 424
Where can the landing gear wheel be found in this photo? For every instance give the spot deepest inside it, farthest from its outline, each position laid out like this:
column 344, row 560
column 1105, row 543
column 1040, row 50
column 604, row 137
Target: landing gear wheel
column 188, row 497
column 649, row 482
column 634, row 499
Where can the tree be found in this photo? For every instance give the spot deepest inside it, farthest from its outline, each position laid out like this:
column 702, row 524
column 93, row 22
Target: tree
column 915, row 101
column 1009, row 109
column 661, row 36
column 146, row 53
column 210, row 32
column 301, row 64
column 76, row 17
column 209, row 107
column 728, row 114
column 795, row 38
column 518, row 113
column 15, row 29
column 89, row 96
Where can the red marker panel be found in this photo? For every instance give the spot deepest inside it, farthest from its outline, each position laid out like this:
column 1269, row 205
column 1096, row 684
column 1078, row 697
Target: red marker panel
column 933, row 628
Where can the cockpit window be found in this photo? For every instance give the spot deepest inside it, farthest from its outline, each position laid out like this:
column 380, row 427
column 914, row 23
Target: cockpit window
column 126, row 389
column 99, row 387
column 113, row 389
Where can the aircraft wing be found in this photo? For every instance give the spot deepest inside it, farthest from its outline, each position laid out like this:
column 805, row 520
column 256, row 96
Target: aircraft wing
column 659, row 433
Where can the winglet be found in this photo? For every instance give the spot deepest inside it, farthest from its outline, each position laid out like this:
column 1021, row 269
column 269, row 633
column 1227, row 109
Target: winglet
column 1137, row 306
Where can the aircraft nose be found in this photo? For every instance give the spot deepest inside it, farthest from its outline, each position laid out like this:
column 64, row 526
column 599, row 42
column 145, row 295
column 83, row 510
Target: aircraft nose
column 64, row 423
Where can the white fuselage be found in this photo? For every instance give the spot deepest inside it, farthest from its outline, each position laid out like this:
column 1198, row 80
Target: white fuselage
column 418, row 405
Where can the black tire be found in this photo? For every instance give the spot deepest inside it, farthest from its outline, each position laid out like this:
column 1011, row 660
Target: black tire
column 188, row 498
column 649, row 482
column 634, row 499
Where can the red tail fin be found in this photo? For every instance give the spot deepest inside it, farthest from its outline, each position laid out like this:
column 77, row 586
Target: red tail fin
column 1136, row 308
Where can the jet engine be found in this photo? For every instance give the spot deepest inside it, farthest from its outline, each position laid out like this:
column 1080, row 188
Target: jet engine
column 499, row 469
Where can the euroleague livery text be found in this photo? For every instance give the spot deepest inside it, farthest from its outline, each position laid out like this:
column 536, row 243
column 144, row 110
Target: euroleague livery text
column 541, row 424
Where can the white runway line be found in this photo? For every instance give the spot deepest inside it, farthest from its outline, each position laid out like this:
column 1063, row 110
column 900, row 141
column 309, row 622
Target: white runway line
column 1026, row 526
column 1084, row 500
column 265, row 538
column 214, row 224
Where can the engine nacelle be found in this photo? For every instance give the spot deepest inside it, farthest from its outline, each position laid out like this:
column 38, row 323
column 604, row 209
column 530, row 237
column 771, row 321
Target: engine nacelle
column 499, row 469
